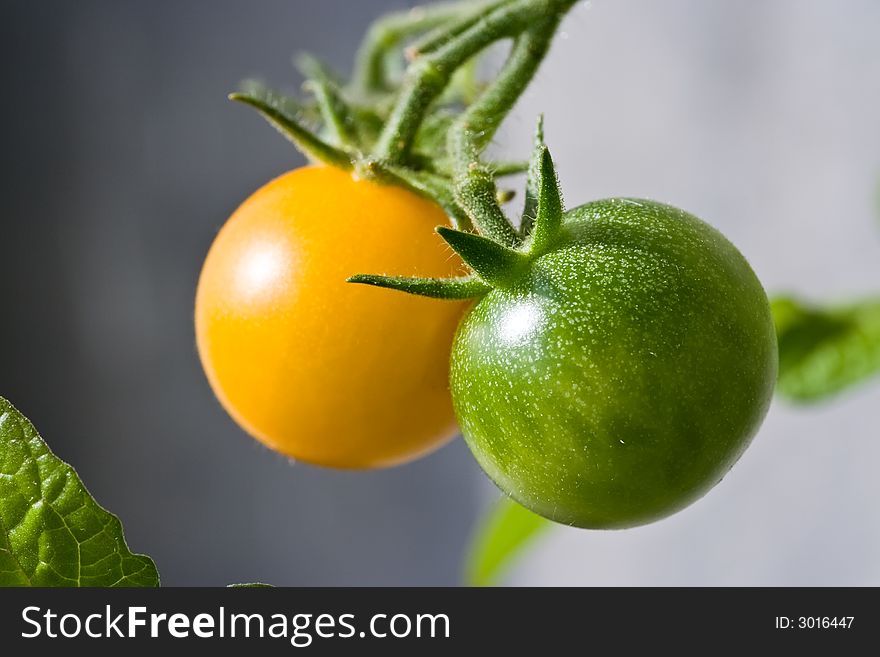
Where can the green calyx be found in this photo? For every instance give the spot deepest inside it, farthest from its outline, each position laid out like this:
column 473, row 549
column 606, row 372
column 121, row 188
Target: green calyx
column 414, row 114
column 497, row 252
column 494, row 263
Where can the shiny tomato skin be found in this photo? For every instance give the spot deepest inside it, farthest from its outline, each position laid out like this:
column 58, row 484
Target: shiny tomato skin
column 321, row 370
column 624, row 374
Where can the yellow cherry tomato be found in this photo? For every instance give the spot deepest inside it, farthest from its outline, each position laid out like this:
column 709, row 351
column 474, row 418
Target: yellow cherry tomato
column 322, row 370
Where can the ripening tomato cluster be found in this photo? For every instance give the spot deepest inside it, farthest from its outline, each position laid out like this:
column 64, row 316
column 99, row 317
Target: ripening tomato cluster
column 613, row 382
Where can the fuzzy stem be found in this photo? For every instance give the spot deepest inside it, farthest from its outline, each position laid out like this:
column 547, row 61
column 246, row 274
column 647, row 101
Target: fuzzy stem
column 387, row 33
column 441, row 35
column 475, row 188
column 428, row 76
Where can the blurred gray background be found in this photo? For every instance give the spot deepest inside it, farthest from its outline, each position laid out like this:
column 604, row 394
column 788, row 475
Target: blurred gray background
column 121, row 158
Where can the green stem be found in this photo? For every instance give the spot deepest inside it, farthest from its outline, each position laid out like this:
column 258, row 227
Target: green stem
column 429, row 74
column 475, row 188
column 387, row 32
column 496, row 255
column 442, row 35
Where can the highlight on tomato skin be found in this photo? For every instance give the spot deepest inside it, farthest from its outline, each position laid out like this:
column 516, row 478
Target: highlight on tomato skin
column 323, row 371
column 623, row 374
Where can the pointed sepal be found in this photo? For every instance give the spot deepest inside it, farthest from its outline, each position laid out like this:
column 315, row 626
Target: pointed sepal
column 499, row 168
column 306, row 113
column 530, row 207
column 512, row 168
column 467, row 287
column 548, row 214
column 494, row 263
column 287, row 124
column 338, row 115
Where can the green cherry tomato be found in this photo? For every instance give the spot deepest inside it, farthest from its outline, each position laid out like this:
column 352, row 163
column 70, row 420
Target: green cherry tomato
column 619, row 378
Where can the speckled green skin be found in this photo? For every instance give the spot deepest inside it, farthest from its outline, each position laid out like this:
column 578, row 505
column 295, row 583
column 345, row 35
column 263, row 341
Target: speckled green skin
column 624, row 374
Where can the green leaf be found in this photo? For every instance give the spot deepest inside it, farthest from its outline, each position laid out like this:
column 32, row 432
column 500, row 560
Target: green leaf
column 824, row 351
column 435, row 288
column 493, row 262
column 501, row 537
column 52, row 532
column 548, row 216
